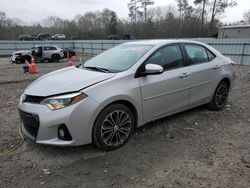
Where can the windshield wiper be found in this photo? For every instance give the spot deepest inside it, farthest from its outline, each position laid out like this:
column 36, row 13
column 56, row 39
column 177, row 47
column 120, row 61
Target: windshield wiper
column 98, row 69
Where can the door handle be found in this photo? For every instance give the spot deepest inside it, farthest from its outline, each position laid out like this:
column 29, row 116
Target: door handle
column 216, row 67
column 184, row 75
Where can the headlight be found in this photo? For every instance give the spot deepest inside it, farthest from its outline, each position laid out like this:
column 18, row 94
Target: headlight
column 62, row 101
column 22, row 98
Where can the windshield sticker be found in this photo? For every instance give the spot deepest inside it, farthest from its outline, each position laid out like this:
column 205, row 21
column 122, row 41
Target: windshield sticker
column 138, row 49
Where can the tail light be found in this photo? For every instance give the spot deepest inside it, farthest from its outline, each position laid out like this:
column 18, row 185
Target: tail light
column 232, row 63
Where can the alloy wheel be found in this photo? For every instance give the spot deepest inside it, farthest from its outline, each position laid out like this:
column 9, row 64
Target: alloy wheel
column 116, row 128
column 221, row 95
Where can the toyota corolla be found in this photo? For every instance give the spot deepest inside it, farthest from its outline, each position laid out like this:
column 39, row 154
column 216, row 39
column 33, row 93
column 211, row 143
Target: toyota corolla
column 103, row 100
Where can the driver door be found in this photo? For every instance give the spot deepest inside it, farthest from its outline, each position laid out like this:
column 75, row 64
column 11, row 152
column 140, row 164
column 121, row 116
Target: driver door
column 168, row 92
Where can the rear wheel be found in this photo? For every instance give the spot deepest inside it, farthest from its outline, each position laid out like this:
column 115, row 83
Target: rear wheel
column 220, row 96
column 113, row 127
column 55, row 58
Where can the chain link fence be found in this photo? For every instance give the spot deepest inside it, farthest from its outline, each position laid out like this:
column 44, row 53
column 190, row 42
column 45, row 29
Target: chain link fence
column 237, row 49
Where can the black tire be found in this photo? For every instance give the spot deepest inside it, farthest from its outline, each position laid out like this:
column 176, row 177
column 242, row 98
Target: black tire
column 113, row 127
column 22, row 61
column 55, row 58
column 18, row 62
column 220, row 96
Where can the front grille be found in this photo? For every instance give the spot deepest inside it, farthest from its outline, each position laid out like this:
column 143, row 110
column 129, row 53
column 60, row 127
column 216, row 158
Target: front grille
column 30, row 122
column 33, row 99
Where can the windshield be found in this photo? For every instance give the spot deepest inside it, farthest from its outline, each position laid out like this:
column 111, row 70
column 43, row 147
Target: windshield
column 119, row 58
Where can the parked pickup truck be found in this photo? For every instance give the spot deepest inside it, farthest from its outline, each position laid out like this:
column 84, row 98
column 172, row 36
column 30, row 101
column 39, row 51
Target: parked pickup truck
column 40, row 53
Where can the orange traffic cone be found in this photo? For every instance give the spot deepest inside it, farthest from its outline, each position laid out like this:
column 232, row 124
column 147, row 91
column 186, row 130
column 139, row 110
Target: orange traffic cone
column 69, row 60
column 32, row 68
column 70, row 63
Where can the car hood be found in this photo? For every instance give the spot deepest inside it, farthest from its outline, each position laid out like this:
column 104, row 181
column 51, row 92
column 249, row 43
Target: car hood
column 65, row 80
column 22, row 51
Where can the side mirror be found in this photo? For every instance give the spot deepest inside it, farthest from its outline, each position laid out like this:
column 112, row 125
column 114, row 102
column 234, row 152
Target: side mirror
column 152, row 69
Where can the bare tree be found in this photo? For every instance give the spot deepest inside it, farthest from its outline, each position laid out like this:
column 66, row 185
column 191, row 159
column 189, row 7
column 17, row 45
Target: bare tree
column 156, row 22
column 185, row 10
column 202, row 5
column 218, row 7
column 133, row 7
column 246, row 16
column 110, row 21
column 144, row 5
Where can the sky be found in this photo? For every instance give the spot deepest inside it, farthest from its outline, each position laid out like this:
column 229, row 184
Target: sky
column 31, row 11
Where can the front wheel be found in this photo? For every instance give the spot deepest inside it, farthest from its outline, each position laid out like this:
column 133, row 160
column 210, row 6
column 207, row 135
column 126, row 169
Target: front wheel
column 220, row 96
column 113, row 127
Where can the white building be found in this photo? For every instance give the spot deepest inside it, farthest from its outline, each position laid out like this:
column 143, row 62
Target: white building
column 237, row 31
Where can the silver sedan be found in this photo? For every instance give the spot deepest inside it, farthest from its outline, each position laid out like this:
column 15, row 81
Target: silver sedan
column 103, row 100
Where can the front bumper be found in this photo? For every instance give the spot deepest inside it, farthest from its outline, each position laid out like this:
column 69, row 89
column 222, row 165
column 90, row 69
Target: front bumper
column 13, row 58
column 41, row 124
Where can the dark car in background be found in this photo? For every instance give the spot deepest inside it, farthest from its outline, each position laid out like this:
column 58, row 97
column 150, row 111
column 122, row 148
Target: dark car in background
column 26, row 38
column 124, row 37
column 43, row 36
column 128, row 37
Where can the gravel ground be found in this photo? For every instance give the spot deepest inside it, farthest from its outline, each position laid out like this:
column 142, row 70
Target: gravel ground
column 196, row 148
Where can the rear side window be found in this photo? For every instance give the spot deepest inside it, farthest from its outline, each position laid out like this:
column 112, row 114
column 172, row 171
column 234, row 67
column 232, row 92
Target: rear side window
column 52, row 48
column 196, row 54
column 169, row 57
column 47, row 48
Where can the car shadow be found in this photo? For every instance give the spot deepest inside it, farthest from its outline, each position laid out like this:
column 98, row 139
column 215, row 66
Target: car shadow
column 160, row 126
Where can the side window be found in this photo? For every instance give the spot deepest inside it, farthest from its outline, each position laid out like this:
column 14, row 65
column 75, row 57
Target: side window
column 169, row 57
column 51, row 48
column 46, row 48
column 211, row 56
column 196, row 54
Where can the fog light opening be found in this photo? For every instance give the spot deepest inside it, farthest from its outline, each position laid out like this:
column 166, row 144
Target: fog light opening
column 63, row 133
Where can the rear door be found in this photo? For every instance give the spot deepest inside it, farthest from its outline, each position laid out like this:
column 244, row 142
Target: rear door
column 46, row 52
column 49, row 51
column 167, row 92
column 202, row 68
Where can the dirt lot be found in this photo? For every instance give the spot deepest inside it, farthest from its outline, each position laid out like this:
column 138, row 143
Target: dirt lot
column 197, row 148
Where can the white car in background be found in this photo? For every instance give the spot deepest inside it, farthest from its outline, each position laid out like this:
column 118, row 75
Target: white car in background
column 19, row 57
column 49, row 53
column 58, row 37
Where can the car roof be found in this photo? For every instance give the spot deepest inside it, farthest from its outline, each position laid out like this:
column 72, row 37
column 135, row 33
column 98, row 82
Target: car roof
column 161, row 42
column 36, row 46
